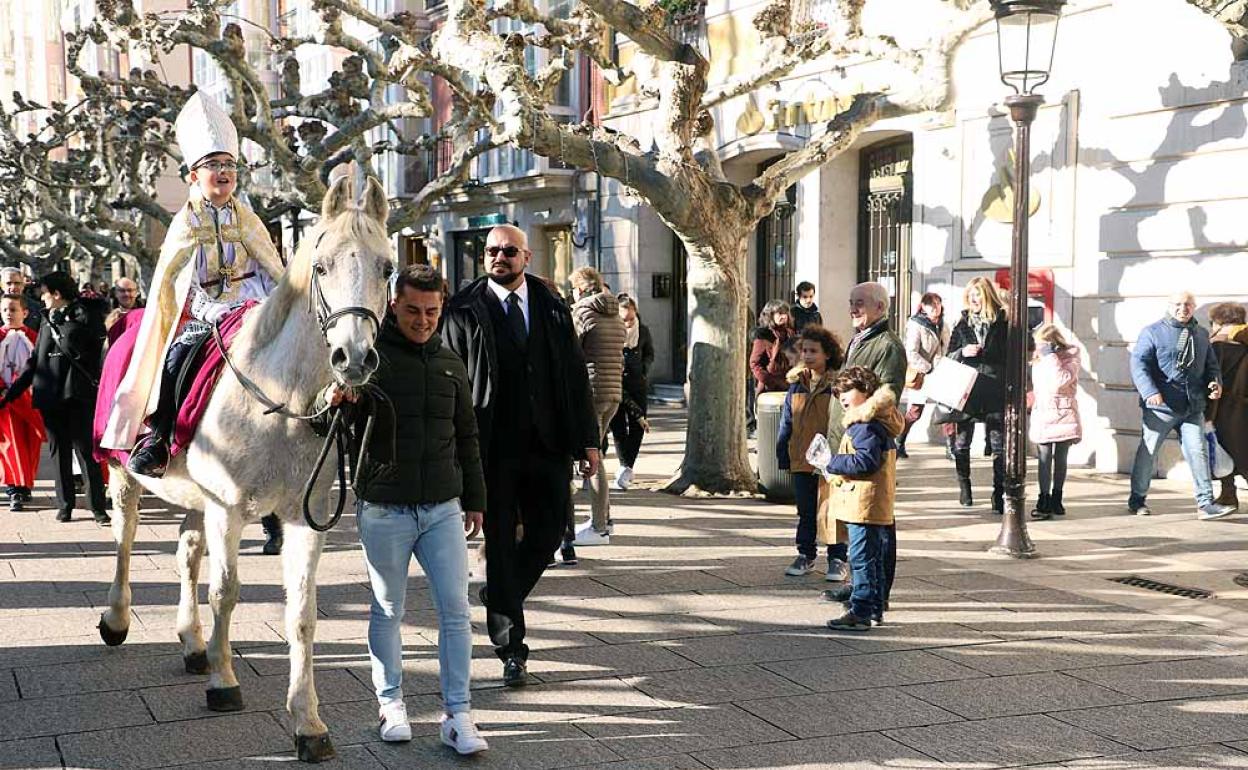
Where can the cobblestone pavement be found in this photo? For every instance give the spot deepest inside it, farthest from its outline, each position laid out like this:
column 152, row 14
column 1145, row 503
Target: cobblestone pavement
column 680, row 645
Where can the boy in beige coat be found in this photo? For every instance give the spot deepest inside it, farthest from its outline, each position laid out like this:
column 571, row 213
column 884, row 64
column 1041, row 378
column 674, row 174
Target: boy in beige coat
column 862, row 489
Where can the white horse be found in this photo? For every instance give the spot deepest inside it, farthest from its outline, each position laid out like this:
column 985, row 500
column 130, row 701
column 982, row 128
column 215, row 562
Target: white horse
column 315, row 329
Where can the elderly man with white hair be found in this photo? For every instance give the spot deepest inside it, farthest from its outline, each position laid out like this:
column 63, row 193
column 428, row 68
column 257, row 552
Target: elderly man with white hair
column 1175, row 372
column 876, row 347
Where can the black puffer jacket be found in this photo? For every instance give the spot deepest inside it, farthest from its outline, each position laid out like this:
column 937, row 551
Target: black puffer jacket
column 436, row 455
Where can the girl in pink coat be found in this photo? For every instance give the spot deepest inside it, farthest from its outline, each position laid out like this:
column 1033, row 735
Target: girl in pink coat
column 1054, row 415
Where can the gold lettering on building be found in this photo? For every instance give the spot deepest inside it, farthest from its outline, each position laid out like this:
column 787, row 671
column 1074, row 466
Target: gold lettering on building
column 779, row 115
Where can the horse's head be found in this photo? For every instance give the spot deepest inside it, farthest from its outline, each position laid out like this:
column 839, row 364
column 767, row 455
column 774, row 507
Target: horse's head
column 350, row 265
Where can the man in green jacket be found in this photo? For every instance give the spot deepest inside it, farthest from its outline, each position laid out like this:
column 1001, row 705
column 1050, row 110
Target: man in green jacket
column 420, row 489
column 876, row 347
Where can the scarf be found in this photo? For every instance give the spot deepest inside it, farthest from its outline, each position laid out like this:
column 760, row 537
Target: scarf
column 632, row 335
column 979, row 325
column 864, row 335
column 1185, row 348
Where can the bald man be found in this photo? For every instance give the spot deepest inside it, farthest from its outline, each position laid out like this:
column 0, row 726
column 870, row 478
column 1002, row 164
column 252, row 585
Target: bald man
column 531, row 395
column 1176, row 373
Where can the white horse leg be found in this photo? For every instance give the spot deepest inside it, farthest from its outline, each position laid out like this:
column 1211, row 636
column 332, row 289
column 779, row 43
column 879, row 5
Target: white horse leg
column 224, row 529
column 115, row 621
column 300, row 557
column 190, row 629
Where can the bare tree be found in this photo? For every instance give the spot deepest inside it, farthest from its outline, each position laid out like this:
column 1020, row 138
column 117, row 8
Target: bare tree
column 82, row 186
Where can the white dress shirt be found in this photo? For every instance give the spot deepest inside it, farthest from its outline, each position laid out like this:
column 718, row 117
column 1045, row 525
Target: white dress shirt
column 522, row 291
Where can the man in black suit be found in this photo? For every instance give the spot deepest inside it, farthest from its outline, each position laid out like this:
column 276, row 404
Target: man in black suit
column 530, row 390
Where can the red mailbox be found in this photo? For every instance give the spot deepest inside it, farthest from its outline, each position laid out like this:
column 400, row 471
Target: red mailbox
column 1040, row 292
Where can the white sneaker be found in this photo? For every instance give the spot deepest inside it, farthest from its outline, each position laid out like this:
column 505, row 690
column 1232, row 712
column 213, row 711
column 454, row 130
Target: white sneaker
column 800, row 566
column 838, row 571
column 394, row 727
column 461, row 734
column 587, row 535
column 623, row 478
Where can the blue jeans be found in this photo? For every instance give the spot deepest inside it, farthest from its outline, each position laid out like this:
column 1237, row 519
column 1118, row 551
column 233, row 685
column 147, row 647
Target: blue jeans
column 1158, row 422
column 391, row 534
column 806, row 492
column 867, row 543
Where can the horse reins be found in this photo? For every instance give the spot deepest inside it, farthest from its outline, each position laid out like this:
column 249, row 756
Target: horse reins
column 339, row 435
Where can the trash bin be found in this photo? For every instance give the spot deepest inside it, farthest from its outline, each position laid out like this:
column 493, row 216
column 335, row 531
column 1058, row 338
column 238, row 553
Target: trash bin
column 777, row 484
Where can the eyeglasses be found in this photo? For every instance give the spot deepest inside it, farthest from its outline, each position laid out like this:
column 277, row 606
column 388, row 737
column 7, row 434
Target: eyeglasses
column 220, row 166
column 509, row 252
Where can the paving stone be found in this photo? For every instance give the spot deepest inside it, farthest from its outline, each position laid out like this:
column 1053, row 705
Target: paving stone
column 669, row 581
column 1036, row 599
column 857, row 672
column 809, row 616
column 813, row 716
column 118, row 673
column 714, row 685
column 556, row 587
column 1034, row 656
column 911, row 636
column 345, row 758
column 679, row 731
column 559, row 701
column 31, row 717
column 865, row 751
column 8, row 686
column 1184, row 758
column 1005, row 742
column 1005, row 696
column 974, row 581
column 521, row 747
column 604, row 660
column 136, row 748
column 1037, row 625
column 53, row 625
column 758, row 648
column 29, row 753
column 648, row 629
column 1168, row 724
column 260, row 693
column 1166, row 680
column 670, row 762
column 1172, row 646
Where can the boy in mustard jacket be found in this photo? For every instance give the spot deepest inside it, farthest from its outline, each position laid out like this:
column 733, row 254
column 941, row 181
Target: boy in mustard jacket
column 862, row 489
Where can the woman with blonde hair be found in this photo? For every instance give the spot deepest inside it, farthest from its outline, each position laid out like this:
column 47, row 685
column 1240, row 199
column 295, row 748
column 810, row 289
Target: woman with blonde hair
column 979, row 341
column 1055, row 421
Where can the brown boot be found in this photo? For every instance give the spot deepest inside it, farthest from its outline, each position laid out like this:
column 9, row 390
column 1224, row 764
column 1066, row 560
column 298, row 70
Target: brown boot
column 1228, row 496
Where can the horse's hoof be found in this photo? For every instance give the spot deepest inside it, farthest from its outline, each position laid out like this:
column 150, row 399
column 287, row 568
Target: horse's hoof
column 196, row 662
column 112, row 638
column 225, row 699
column 314, row 748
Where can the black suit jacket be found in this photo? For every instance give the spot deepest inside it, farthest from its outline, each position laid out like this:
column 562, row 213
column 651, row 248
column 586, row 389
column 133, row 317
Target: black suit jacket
column 53, row 378
column 466, row 328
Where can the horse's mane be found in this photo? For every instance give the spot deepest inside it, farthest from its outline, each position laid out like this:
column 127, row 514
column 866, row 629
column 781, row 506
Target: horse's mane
column 292, row 289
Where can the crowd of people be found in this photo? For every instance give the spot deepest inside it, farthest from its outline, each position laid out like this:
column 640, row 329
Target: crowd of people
column 862, row 402
column 51, row 350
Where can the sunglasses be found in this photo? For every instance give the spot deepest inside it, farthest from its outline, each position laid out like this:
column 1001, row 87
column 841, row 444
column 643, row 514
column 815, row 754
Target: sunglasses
column 509, row 252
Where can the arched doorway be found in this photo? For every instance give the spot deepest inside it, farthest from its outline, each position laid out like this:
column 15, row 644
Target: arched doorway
column 885, row 195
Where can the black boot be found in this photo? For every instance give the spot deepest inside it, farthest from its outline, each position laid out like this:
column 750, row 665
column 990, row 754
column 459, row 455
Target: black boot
column 273, row 529
column 962, row 463
column 150, row 456
column 1043, row 509
column 901, row 450
column 998, row 485
column 1055, row 503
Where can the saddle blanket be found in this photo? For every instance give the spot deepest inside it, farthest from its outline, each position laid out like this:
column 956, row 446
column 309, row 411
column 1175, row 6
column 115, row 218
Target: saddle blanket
column 207, row 366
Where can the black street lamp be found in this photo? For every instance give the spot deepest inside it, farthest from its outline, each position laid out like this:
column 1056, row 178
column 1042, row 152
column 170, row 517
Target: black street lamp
column 1026, row 40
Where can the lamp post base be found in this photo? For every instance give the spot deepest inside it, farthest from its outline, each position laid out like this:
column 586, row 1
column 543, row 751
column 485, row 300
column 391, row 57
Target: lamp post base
column 1013, row 541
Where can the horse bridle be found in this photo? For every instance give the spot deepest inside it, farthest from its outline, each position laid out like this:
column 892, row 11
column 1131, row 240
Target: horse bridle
column 327, row 317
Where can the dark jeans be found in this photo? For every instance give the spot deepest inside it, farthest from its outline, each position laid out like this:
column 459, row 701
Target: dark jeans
column 69, row 433
column 806, row 490
column 627, row 433
column 1052, row 470
column 867, row 543
column 162, row 420
column 966, row 431
column 531, row 489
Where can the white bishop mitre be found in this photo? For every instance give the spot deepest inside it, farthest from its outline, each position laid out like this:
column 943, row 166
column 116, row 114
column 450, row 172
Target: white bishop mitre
column 204, row 128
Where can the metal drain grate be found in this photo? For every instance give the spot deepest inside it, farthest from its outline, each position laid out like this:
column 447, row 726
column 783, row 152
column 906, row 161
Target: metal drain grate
column 1165, row 588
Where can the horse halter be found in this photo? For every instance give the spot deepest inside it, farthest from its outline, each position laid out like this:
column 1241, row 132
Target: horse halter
column 326, row 317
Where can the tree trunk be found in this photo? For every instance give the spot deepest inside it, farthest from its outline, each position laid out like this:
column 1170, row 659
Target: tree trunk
column 716, row 457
